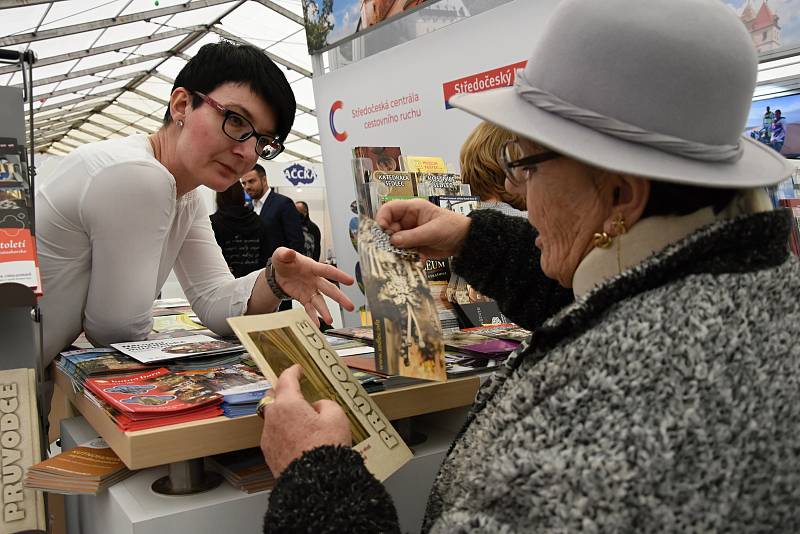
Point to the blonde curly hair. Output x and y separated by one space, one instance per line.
480 165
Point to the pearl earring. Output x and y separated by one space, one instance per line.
180 123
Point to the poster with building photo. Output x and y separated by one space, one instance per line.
772 24
330 22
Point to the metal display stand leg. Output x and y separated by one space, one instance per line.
187 478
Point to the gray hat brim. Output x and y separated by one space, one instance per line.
758 166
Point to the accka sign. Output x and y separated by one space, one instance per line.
298 174
19 436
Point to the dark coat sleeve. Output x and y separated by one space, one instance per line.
317 241
329 490
215 227
500 260
292 223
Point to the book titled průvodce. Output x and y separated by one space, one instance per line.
277 341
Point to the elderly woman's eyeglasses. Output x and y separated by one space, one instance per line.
519 169
240 129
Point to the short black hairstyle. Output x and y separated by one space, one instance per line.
678 199
225 62
233 196
260 170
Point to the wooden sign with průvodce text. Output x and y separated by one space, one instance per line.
23 509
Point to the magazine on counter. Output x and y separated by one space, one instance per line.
169 349
157 391
276 341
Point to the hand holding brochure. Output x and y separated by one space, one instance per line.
277 341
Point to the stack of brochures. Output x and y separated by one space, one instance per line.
140 395
86 469
241 386
153 398
245 470
81 364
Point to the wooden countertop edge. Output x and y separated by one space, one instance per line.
157 446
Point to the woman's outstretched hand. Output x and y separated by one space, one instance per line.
306 280
434 231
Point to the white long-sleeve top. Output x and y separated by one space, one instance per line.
109 229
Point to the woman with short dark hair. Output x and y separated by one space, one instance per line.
117 216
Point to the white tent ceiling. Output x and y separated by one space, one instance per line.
106 67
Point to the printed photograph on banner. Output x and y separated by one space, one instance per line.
329 22
776 123
773 24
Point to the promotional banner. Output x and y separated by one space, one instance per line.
330 22
773 25
398 98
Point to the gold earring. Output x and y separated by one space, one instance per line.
602 240
618 224
618 227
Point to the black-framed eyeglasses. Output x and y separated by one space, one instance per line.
519 169
240 129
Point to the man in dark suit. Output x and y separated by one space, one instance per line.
284 224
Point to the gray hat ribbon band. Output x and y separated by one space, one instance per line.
622 130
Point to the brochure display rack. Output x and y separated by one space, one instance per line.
21 374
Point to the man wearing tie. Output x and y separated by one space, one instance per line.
283 222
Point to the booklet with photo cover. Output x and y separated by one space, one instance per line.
381 158
405 321
157 391
171 348
18 260
395 184
88 468
431 184
276 341
424 164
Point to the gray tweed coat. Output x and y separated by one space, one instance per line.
665 400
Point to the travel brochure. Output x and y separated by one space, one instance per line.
181 347
408 334
18 260
89 469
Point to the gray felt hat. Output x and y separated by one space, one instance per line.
653 88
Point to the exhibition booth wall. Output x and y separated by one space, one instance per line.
398 98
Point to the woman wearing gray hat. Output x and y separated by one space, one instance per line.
665 397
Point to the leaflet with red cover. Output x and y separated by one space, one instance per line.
18 262
131 421
158 392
